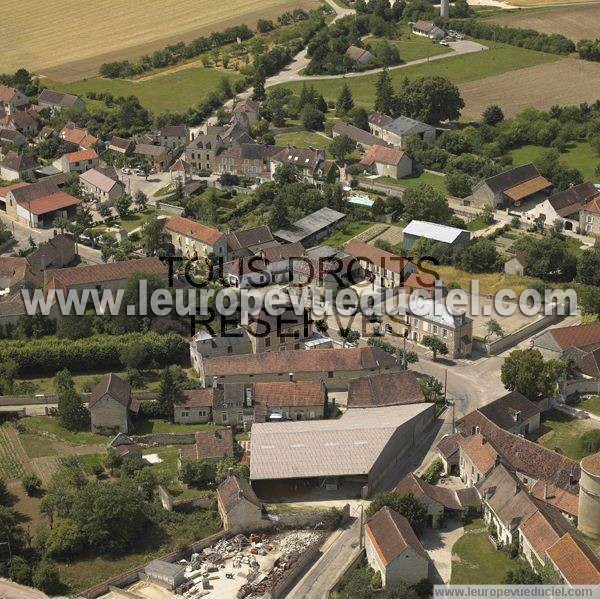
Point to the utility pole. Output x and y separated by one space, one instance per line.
360 533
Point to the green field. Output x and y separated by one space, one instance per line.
436 181
347 231
413 47
48 424
173 91
302 139
590 404
579 155
500 58
565 432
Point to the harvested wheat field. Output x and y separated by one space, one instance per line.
568 81
71 40
542 3
574 22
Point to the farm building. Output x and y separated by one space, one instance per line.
387 162
363 139
312 228
553 342
589 217
360 447
516 265
428 29
420 229
238 505
100 186
57 101
396 131
515 187
111 405
359 55
166 574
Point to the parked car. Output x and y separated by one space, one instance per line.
444 43
126 171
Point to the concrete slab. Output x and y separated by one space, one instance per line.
438 543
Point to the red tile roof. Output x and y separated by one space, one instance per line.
480 452
50 203
370 253
593 205
209 445
193 229
234 488
110 384
387 389
581 335
382 154
289 393
391 533
81 155
559 498
442 495
4 190
575 561
197 398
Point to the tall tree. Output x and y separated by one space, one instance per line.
169 392
385 96
345 101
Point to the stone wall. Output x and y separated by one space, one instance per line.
165 439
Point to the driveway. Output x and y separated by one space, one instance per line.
438 542
300 61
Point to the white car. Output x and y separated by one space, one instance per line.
126 171
444 43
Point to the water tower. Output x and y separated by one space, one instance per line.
589 496
444 8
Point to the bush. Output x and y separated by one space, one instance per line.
46 577
432 474
590 441
31 483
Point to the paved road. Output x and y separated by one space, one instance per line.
292 72
338 552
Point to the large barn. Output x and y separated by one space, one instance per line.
361 447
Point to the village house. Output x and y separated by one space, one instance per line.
360 56
111 406
530 461
387 162
231 341
249 159
389 389
12 100
428 29
278 332
39 204
310 229
180 171
17 166
122 146
210 445
57 252
11 138
195 406
506 504
439 501
157 157
477 459
381 267
419 229
79 137
589 217
335 366
25 121
563 501
393 549
192 239
77 162
514 413
203 150
364 140
574 561
396 131
522 185
248 242
101 187
15 274
57 101
110 276
247 272
174 136
12 309
564 207
552 343
313 167
448 451
247 111
239 507
516 265
433 318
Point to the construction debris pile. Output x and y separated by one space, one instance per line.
237 557
291 546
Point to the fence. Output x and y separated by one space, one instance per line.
290 576
165 438
40 400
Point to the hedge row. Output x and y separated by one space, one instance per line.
49 354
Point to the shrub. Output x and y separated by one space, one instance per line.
432 474
590 441
31 483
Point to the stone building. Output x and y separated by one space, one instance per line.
239 507
111 406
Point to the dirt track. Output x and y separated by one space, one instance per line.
568 81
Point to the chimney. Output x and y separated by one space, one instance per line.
545 491
572 479
215 379
240 493
229 471
482 440
291 375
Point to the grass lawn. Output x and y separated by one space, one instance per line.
579 155
89 460
48 424
346 232
477 224
412 47
155 425
500 58
36 446
170 91
85 382
590 404
476 561
489 283
564 432
436 181
302 139
136 219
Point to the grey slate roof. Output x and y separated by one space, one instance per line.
512 177
309 225
404 125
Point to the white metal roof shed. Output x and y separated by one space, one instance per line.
435 231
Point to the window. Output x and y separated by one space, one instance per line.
416 323
444 332
268 342
224 417
330 374
185 413
435 329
